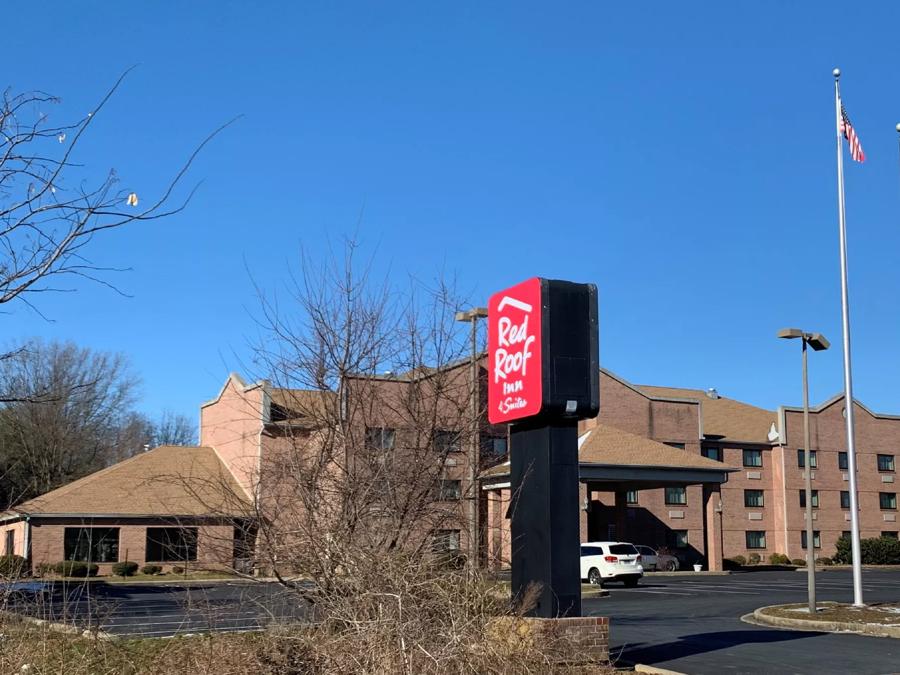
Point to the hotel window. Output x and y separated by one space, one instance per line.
712 453
445 441
493 447
448 490
753 498
379 438
676 495
673 444
892 534
752 457
756 539
885 462
815 499
445 541
678 538
171 544
91 544
845 534
845 499
801 459
817 542
888 500
631 497
842 461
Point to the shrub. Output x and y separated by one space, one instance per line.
126 568
177 569
43 569
12 566
151 569
779 559
75 568
738 560
875 551
799 562
824 561
754 559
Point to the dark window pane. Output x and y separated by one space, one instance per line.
842 461
754 498
714 454
885 462
449 490
680 446
753 458
446 441
815 499
91 544
445 541
888 500
676 495
631 497
801 459
817 542
171 544
845 499
756 539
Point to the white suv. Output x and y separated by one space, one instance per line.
603 561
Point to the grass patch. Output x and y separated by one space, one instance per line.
881 614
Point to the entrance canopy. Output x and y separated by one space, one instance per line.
610 460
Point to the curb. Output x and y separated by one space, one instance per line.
64 627
641 668
873 630
844 568
689 573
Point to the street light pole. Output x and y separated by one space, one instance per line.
819 343
472 316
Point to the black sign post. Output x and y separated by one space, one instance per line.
544 442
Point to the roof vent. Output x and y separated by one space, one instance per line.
712 393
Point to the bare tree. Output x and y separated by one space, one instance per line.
63 417
49 211
362 478
139 432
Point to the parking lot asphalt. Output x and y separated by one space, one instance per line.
166 610
692 624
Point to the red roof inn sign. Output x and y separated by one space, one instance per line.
542 351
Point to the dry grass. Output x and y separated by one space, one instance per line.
883 614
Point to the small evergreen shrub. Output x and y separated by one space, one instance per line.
151 569
43 569
178 569
738 560
824 561
875 551
75 568
126 568
779 559
754 559
799 562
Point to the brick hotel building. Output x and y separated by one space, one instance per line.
701 473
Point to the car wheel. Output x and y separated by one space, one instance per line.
631 583
594 577
671 566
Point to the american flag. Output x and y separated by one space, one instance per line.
856 151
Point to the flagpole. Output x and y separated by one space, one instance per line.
848 378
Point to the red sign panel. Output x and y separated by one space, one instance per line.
514 353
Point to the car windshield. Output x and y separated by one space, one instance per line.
623 549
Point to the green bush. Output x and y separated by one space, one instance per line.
738 560
799 562
875 551
178 569
126 568
151 569
12 566
824 561
754 559
75 568
779 559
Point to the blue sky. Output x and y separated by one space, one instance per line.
681 157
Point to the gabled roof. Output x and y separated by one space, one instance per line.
166 481
607 446
723 417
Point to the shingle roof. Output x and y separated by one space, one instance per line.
302 403
166 481
606 445
732 420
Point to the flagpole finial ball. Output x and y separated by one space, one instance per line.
836 72
898 127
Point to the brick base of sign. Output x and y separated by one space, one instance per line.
570 641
